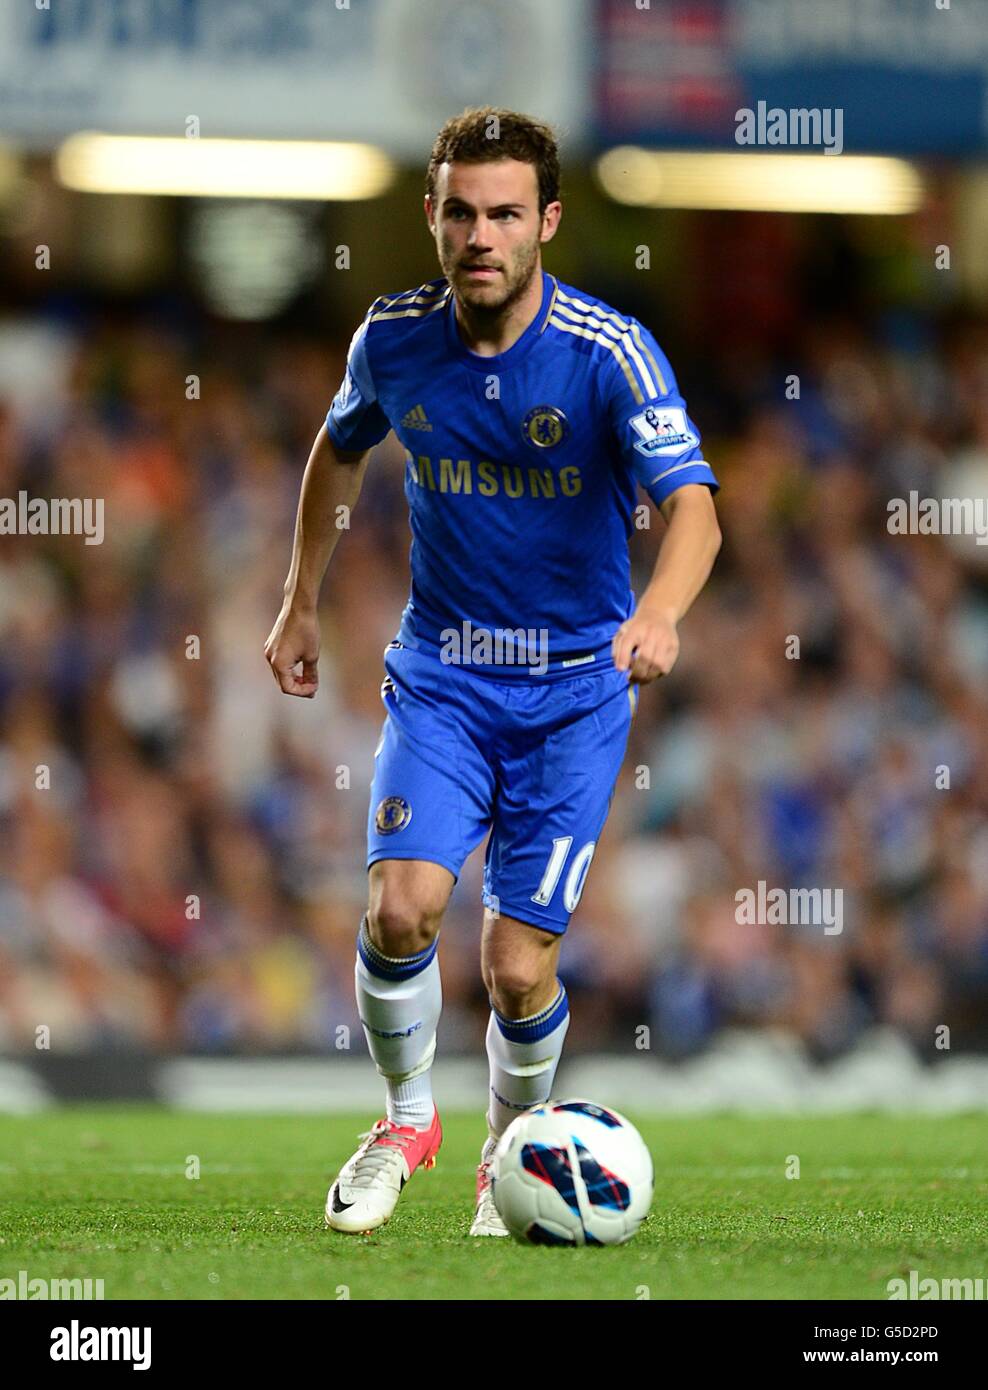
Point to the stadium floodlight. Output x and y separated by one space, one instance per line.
760 182
91 162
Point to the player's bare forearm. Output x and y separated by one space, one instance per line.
687 553
332 480
647 644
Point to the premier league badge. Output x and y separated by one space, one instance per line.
663 431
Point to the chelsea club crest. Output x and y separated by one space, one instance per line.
545 426
393 814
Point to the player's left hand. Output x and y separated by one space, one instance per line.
646 645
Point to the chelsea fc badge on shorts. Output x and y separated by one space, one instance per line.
393 814
545 426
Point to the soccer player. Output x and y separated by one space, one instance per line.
529 412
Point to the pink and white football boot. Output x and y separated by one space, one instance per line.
369 1185
487 1221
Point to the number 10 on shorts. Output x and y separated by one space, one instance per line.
575 879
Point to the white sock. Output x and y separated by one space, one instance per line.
410 1102
523 1054
399 1000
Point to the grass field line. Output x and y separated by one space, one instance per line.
697 1170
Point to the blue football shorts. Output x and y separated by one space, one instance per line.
534 760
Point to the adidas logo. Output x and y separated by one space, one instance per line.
416 419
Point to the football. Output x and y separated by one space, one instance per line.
571 1172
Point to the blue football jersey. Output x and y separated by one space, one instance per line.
521 468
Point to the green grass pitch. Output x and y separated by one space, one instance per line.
102 1191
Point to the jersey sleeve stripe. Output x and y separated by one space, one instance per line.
421 293
589 320
414 304
650 385
623 331
648 353
617 328
677 467
552 303
612 347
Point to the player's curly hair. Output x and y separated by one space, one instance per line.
488 133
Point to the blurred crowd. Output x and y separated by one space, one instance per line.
182 846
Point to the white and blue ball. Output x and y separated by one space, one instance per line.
571 1172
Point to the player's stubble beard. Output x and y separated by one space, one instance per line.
516 277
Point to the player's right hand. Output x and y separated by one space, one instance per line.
294 639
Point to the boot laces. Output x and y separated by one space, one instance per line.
376 1158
